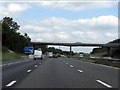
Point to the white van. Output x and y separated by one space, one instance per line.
50 54
38 54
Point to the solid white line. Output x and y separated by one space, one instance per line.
3 65
14 63
71 65
80 71
104 84
10 63
35 65
28 71
11 83
19 61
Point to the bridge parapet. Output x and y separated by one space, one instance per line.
78 44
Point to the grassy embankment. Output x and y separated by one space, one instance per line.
103 62
8 55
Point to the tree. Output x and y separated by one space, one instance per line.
12 39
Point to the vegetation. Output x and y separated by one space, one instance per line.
10 56
13 42
43 47
11 38
59 51
115 52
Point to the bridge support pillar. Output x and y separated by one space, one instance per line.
109 51
70 51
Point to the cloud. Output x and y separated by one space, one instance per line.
100 29
78 6
12 9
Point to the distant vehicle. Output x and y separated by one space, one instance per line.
81 55
31 56
92 57
63 56
38 54
50 54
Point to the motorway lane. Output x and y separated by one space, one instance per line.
59 73
62 73
104 73
17 70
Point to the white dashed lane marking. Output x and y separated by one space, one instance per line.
103 83
80 71
71 65
66 63
28 71
11 83
35 65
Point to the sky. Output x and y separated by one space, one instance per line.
82 21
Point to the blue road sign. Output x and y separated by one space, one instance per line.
28 50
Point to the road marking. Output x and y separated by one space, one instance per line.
28 71
11 83
71 65
104 84
10 63
80 71
66 63
14 63
35 65
39 63
19 61
3 65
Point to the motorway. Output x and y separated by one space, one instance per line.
57 73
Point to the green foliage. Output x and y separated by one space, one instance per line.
4 49
43 48
55 51
67 53
115 52
12 39
6 56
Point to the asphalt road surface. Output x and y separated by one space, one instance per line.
57 73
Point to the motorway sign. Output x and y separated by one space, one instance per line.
28 50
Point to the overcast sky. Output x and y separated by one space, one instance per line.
65 21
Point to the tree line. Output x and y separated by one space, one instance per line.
15 41
11 37
115 52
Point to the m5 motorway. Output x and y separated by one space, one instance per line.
57 73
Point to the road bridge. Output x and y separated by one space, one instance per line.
109 46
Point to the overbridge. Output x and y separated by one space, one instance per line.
109 46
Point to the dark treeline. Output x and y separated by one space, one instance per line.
54 50
11 38
115 52
59 51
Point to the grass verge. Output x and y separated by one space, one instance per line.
103 62
7 56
